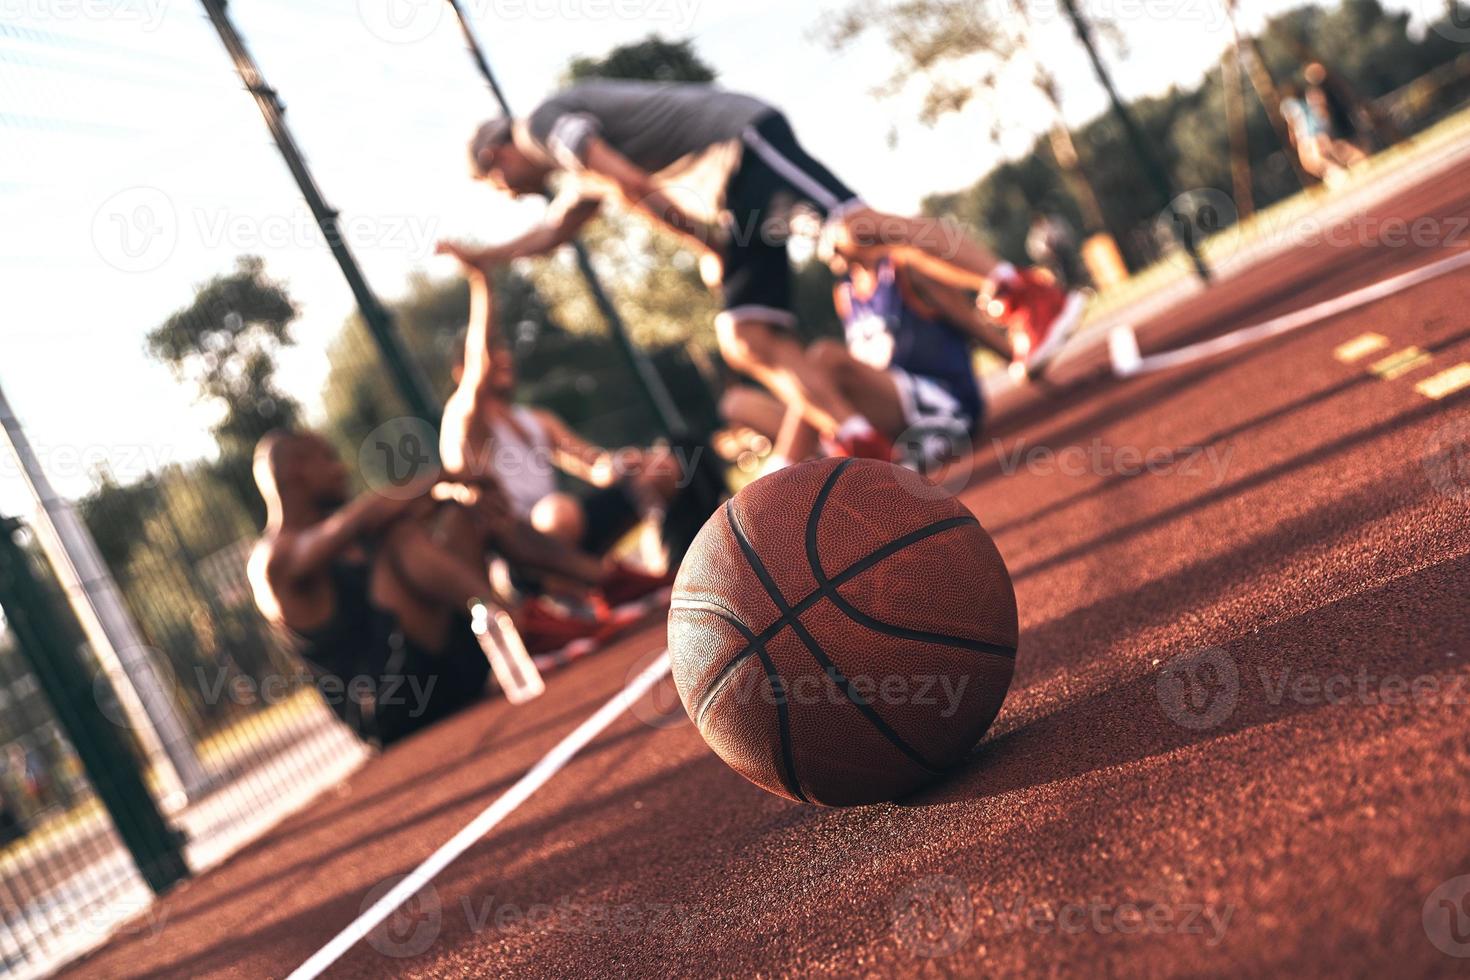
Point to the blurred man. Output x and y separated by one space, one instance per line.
485 436
376 592
906 364
726 173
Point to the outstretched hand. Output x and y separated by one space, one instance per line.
473 261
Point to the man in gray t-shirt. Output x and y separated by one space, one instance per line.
726 173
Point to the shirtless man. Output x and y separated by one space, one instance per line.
726 173
374 592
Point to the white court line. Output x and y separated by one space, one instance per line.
1123 342
534 779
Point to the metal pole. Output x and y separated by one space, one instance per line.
1154 170
653 387
103 614
156 847
406 375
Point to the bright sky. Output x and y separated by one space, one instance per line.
133 166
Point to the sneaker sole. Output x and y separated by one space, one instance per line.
1066 323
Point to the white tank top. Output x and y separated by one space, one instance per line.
524 460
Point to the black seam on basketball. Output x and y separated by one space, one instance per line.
753 644
704 605
778 693
817 595
877 625
783 724
832 670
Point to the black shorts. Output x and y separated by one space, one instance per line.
776 176
419 687
610 513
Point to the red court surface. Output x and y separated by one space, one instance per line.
1289 805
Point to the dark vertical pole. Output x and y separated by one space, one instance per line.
406 376
42 641
1155 171
653 387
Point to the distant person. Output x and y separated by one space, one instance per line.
522 449
906 364
1321 154
1340 107
725 172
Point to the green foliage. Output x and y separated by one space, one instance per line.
225 342
651 59
928 36
1359 41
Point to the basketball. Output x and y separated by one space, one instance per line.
842 632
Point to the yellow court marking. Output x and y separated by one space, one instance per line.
1445 382
1359 347
1399 363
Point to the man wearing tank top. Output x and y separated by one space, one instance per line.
485 436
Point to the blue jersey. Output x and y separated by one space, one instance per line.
884 331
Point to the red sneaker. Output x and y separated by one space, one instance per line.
1039 314
870 445
543 627
625 584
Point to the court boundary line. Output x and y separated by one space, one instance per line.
506 804
1127 362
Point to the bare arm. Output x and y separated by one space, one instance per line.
309 552
941 301
640 193
479 338
561 225
576 455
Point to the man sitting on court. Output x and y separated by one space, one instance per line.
906 365
725 172
376 593
486 435
367 595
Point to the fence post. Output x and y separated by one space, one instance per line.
100 608
111 767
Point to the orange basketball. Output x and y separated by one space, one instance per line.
842 632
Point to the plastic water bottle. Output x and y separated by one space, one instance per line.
512 665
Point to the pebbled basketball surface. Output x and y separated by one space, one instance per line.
842 632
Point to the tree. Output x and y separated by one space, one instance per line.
652 59
962 50
1370 48
225 344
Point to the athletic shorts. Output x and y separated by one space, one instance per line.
419 687
941 404
775 177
